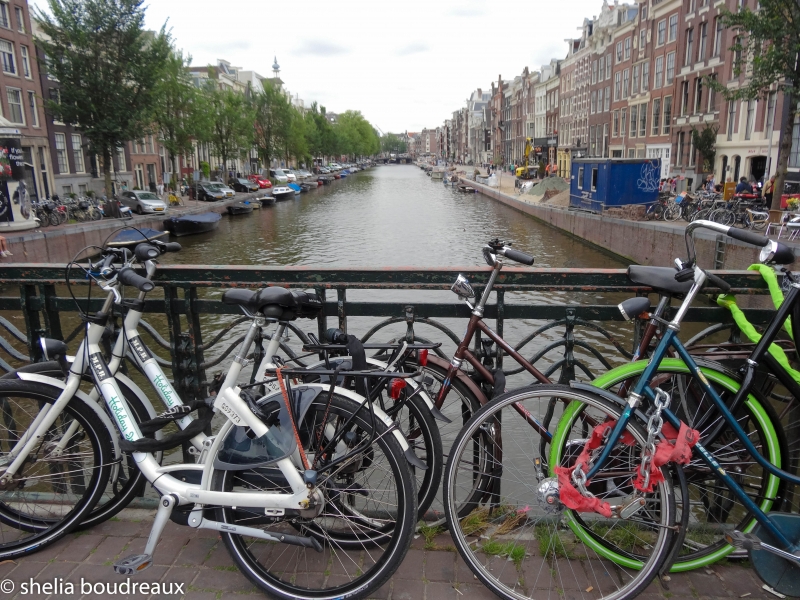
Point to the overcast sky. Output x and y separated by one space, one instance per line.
405 64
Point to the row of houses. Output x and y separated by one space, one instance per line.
632 85
56 156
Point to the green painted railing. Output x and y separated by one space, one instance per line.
38 292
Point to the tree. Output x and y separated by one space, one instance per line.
231 117
179 109
393 144
272 122
108 68
705 141
768 41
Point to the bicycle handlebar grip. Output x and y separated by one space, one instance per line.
336 336
748 237
130 277
172 247
725 287
517 256
145 252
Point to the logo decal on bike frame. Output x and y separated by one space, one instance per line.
142 353
99 367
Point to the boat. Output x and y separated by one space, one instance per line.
128 238
191 224
296 187
282 192
240 208
266 200
467 189
437 174
306 187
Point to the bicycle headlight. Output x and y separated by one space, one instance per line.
776 253
462 288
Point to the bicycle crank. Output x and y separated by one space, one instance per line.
779 569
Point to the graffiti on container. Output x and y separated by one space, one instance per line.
648 180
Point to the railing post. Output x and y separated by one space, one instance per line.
568 370
196 375
341 302
322 319
501 312
176 341
31 304
52 317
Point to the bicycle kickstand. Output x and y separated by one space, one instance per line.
137 563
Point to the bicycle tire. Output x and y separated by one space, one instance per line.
95 214
42 218
53 218
696 555
672 212
71 498
124 484
338 570
513 542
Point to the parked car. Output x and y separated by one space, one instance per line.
290 174
262 182
229 192
205 190
143 202
278 175
240 184
304 174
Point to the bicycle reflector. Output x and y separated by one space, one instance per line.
396 388
422 358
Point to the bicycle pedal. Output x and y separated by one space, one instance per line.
746 541
133 564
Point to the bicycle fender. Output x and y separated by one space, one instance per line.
101 414
461 376
610 396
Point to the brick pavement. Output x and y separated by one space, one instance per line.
200 561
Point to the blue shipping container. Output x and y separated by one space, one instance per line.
600 183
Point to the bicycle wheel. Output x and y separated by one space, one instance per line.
519 540
723 216
714 510
365 526
63 216
459 405
44 221
56 488
53 218
95 214
672 212
80 216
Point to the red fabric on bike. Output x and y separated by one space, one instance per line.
571 497
675 447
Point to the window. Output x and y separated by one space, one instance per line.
670 67
684 98
717 35
605 140
769 124
661 36
627 48
608 66
623 119
121 159
20 17
594 71
151 150
5 21
643 9
602 70
731 118
66 190
673 28
689 45
635 83
7 53
61 153
643 120
580 178
667 115
712 95
634 120
642 39
751 119
736 64
77 152
594 102
690 162
794 154
701 42
681 148
82 189
26 63
615 129
617 85
14 97
645 76
34 109
656 115
698 95
607 100
619 52
691 6
659 74
592 141
626 76
594 179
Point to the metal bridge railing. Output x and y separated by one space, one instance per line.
186 297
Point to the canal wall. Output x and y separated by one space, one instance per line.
654 243
58 245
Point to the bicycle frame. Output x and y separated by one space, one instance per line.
642 389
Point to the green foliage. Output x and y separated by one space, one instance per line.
108 68
706 143
272 117
230 117
355 136
205 168
393 144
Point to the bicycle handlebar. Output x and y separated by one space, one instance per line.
128 276
517 256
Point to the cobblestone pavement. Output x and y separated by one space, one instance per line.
199 560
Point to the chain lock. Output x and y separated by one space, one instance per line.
654 425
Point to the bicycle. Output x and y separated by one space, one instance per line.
174 200
304 481
617 500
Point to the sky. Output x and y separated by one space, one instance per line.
405 64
